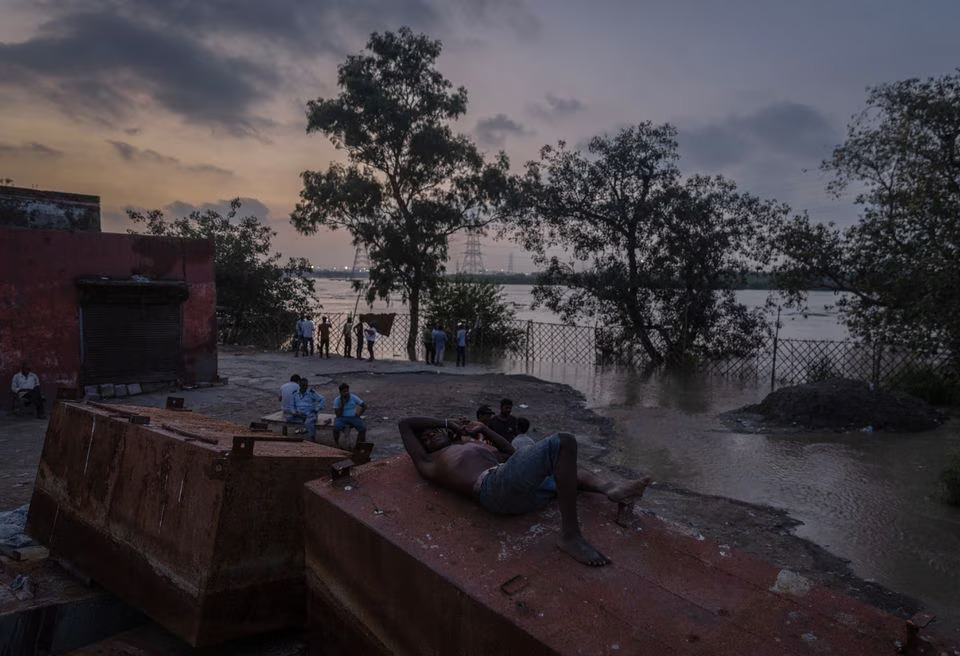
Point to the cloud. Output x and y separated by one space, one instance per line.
294 26
511 13
786 130
217 64
106 67
248 207
493 131
556 108
130 153
30 149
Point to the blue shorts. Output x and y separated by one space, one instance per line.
524 483
343 422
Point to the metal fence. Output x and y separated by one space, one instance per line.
781 361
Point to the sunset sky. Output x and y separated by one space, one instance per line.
176 104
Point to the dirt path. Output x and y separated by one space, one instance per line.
395 389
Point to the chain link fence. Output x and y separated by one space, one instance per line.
781 361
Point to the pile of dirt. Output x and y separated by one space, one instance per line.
841 404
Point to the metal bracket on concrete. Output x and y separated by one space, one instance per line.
260 426
340 470
174 403
217 470
140 420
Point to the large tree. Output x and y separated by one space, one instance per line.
900 264
251 281
410 182
652 255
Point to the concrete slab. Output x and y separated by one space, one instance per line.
152 640
396 565
206 540
44 609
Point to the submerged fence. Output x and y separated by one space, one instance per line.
779 361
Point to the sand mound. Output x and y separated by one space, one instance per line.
842 404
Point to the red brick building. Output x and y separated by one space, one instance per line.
86 308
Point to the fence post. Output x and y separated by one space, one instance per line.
877 355
776 341
528 340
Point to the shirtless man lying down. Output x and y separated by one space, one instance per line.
470 458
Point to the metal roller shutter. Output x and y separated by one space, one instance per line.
131 342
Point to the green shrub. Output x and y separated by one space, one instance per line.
950 479
925 382
820 370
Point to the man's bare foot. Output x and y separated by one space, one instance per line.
628 492
582 551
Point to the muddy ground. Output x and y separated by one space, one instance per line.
396 389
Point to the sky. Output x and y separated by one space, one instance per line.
185 104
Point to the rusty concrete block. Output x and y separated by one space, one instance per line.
120 390
107 391
207 544
396 565
134 388
91 391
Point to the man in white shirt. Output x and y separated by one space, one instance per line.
26 386
286 394
305 331
370 333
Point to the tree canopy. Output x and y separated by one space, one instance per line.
650 254
410 182
251 281
900 264
480 306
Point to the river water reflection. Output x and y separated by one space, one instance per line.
867 497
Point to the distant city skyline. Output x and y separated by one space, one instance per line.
184 105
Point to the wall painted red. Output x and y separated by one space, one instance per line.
39 312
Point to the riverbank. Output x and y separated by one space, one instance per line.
393 389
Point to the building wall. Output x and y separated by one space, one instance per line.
32 208
39 310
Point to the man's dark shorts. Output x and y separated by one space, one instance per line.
524 483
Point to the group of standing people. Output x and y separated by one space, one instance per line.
365 334
436 345
304 334
302 404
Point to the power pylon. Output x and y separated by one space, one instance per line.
510 262
472 258
361 262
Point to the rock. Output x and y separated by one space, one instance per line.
843 404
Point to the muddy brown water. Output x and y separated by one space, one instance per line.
870 498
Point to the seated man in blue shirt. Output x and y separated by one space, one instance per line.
348 408
306 404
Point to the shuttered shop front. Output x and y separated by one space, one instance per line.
131 338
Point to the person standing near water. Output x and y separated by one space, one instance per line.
358 330
348 338
371 335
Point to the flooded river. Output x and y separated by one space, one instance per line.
866 497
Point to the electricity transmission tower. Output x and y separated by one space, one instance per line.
361 262
472 259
